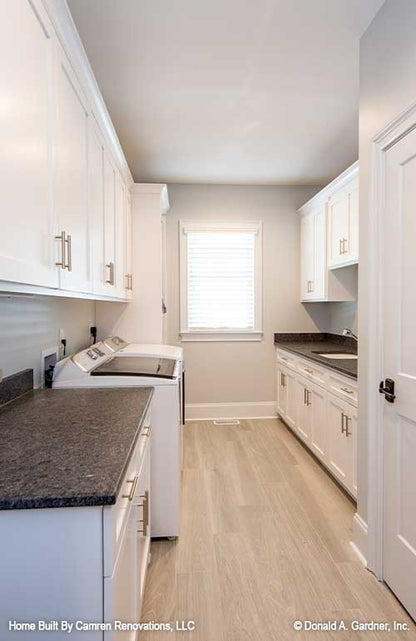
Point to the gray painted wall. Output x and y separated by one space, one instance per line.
387 87
30 324
243 372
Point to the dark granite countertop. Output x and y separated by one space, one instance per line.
305 345
69 447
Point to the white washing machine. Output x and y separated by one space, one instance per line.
122 348
98 366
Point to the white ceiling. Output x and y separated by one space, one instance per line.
229 91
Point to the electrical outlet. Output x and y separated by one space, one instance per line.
49 358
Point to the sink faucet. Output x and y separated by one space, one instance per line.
348 332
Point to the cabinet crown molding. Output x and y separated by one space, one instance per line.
155 190
323 195
66 31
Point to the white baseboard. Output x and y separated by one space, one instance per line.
359 538
211 411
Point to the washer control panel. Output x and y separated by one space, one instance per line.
91 357
115 343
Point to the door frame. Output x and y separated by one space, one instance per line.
399 127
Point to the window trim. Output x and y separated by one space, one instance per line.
215 335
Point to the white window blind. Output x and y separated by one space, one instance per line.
221 275
220 280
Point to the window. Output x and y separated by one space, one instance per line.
220 280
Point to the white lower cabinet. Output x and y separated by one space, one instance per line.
323 415
80 563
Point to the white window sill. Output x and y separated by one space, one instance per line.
218 336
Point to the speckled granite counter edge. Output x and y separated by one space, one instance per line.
80 500
284 340
13 386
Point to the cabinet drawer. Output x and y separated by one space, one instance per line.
343 388
312 372
288 360
116 516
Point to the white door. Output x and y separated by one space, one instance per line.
307 238
399 294
26 220
71 177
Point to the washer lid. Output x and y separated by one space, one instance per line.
137 366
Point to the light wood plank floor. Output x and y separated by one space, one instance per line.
264 540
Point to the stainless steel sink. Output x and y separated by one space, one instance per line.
338 355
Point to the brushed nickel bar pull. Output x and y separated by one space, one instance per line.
131 282
68 264
347 420
127 278
304 396
145 519
342 423
62 239
149 430
347 391
110 266
308 400
310 371
130 495
340 246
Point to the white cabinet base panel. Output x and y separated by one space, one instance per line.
320 406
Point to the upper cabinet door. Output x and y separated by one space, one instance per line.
129 246
26 219
343 226
96 206
109 226
120 214
307 241
71 178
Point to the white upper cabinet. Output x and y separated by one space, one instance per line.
26 215
343 210
329 239
64 180
71 179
